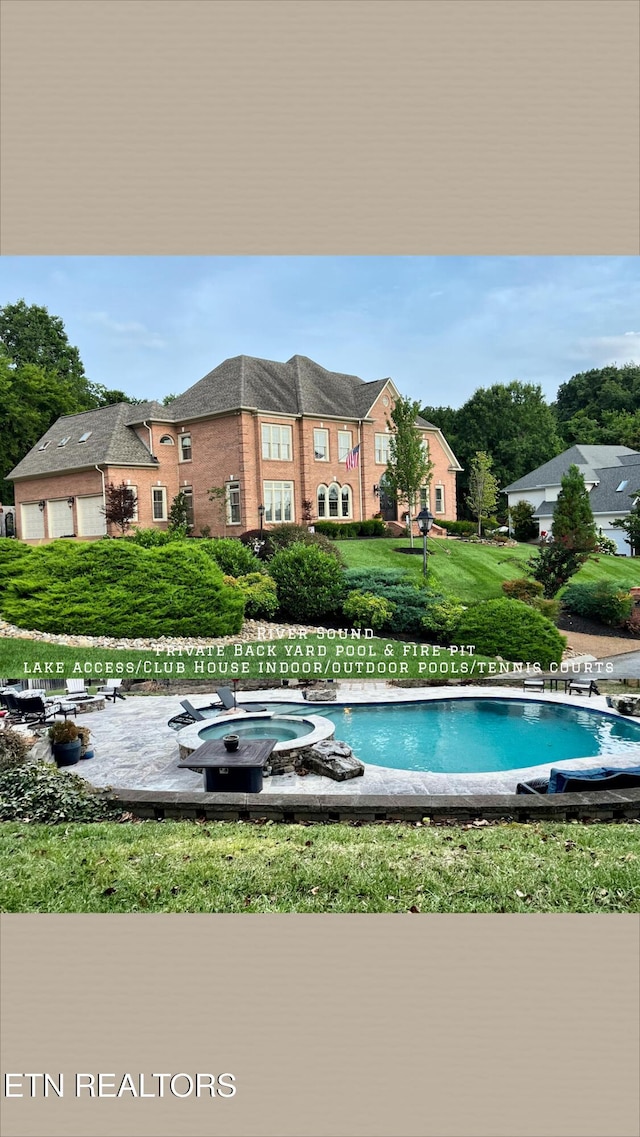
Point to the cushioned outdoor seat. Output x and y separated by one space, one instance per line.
533 684
581 781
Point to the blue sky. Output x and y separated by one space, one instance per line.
439 326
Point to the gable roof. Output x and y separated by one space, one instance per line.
110 440
588 459
297 387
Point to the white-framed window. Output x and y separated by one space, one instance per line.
134 491
278 501
159 503
346 502
276 442
233 503
425 447
84 437
345 444
334 501
321 445
167 440
185 447
321 501
424 497
382 449
439 499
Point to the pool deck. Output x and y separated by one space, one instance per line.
136 749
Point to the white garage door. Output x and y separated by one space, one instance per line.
91 520
32 521
59 518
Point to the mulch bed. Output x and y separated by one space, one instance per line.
568 622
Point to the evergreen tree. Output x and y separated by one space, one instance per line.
409 468
573 524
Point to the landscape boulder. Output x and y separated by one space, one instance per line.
626 704
332 759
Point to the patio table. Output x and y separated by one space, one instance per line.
236 771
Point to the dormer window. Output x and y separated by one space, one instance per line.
83 437
63 441
45 444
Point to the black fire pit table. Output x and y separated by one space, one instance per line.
237 771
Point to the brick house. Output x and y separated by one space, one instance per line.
272 434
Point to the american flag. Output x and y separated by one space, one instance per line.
353 457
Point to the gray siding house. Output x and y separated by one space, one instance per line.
611 475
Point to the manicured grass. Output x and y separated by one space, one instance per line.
220 867
468 571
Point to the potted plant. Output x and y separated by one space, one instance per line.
66 743
86 749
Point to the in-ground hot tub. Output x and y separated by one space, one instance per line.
293 733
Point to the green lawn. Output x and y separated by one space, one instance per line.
472 572
220 867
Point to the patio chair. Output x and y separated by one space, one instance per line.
76 687
582 687
533 683
110 690
226 697
581 781
191 710
34 709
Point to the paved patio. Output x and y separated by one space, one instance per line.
134 747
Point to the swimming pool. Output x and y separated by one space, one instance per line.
471 735
283 730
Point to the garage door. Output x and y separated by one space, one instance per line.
59 518
91 520
32 521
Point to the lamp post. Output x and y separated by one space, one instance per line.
261 516
425 521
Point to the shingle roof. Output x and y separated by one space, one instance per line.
605 497
110 440
588 459
298 386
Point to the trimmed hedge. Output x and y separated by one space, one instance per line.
119 588
459 528
512 630
233 557
347 530
309 582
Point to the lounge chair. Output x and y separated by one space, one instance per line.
581 781
533 684
582 686
110 690
191 710
76 687
226 697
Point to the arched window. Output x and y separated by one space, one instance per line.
322 501
334 497
167 440
346 509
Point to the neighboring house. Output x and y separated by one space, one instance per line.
611 475
273 434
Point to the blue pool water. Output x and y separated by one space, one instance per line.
250 727
465 736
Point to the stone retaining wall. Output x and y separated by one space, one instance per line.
604 805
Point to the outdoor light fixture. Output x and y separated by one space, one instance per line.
425 521
41 505
70 501
261 515
376 490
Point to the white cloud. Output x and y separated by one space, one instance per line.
131 330
622 348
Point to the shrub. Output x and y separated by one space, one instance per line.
118 588
365 610
14 750
442 618
39 792
524 527
260 595
282 536
512 630
258 542
602 600
458 528
553 565
309 582
522 589
606 545
154 538
548 608
342 530
412 602
234 558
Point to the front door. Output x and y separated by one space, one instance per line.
388 506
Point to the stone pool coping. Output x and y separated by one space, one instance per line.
189 737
